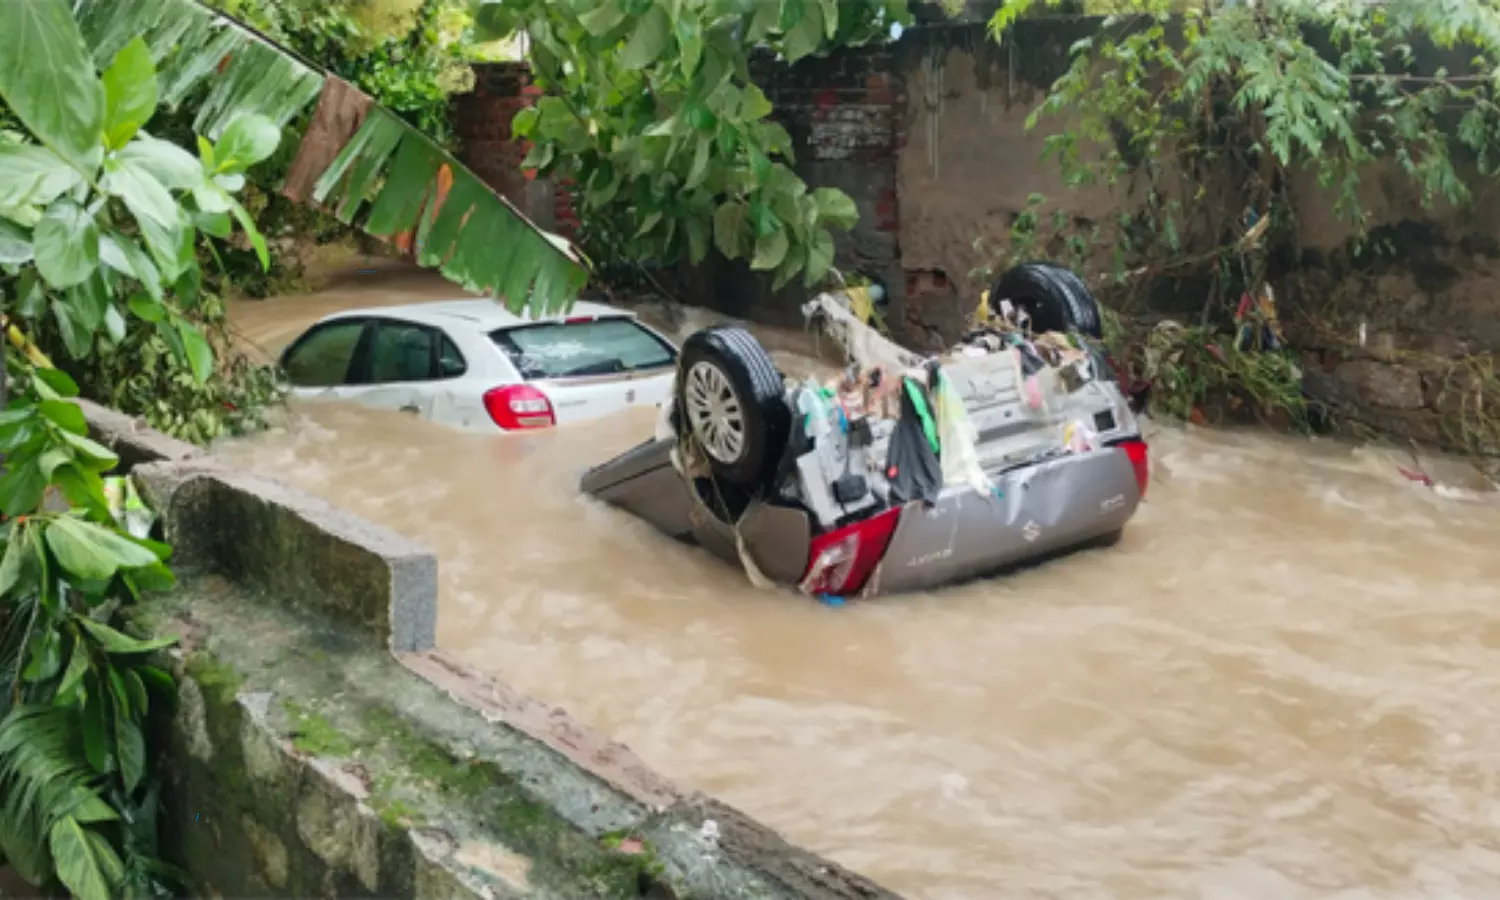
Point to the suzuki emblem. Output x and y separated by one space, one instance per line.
630 396
1031 532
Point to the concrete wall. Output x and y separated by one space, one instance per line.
323 747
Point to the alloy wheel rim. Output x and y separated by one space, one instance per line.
715 413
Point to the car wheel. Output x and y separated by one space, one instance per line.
732 401
1053 296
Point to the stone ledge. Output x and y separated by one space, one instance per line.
132 439
310 763
297 548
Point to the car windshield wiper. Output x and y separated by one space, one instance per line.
603 367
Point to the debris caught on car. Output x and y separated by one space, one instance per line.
902 470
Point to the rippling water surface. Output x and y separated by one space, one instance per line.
1283 683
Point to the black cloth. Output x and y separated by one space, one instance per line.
912 466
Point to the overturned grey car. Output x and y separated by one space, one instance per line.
907 473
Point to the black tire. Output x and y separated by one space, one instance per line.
748 372
1053 296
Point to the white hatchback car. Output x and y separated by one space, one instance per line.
474 364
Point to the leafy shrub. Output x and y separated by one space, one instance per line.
98 225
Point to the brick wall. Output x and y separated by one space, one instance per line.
842 113
482 120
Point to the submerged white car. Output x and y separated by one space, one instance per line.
474 364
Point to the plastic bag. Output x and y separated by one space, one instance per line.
957 436
127 507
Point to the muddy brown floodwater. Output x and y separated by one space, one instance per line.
1283 683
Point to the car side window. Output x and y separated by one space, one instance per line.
402 351
451 362
322 357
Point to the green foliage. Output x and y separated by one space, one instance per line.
1203 122
406 55
651 113
99 221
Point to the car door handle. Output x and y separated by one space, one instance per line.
414 410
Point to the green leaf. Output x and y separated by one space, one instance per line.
15 245
249 139
46 656
143 307
767 13
649 39
139 698
76 338
753 103
115 642
51 459
216 224
92 552
819 257
199 354
66 242
602 19
99 456
91 810
121 253
805 35
129 93
248 224
171 247
835 208
699 168
78 666
131 746
173 167
114 323
33 175
86 303
697 232
59 381
21 489
47 78
830 18
80 871
770 250
65 414
731 229
144 196
10 564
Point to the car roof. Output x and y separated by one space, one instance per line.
481 314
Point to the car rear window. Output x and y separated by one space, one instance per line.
594 347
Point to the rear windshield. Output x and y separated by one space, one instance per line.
598 347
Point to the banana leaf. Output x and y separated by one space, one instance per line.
387 178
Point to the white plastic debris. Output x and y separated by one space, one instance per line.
127 508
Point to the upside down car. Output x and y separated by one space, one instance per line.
907 472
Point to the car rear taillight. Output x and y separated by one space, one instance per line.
519 406
1136 450
842 560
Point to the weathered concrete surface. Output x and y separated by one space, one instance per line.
309 762
295 546
306 759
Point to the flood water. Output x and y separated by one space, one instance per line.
1282 684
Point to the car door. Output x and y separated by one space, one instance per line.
321 363
398 368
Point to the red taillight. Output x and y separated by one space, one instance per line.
1136 450
519 406
842 560
578 320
